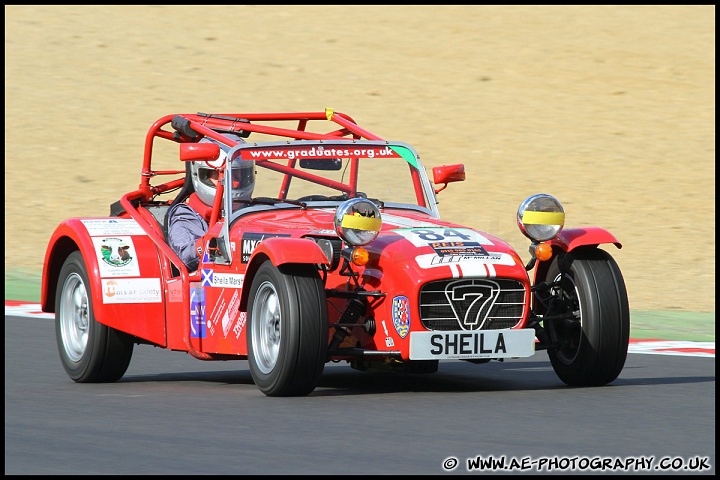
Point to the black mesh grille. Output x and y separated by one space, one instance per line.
472 304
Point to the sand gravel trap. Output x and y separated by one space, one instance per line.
609 108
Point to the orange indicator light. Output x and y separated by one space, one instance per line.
543 251
360 256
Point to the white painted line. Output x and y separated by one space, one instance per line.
30 310
673 347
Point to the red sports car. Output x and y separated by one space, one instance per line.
339 254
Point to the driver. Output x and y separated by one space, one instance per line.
186 226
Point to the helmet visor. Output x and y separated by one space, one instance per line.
207 176
242 180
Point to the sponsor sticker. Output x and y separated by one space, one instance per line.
210 278
231 313
174 292
116 256
113 226
466 265
437 236
250 242
467 344
197 313
389 342
135 290
469 249
240 325
462 249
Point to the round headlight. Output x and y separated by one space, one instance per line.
540 217
358 221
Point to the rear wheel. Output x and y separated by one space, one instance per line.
593 343
288 332
90 351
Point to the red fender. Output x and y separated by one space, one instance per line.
282 250
70 235
571 238
145 319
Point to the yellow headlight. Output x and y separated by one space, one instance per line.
540 217
358 221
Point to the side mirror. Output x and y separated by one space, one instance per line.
189 152
445 174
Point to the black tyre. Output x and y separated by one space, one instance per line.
288 331
90 351
593 345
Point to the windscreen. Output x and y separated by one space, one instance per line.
313 170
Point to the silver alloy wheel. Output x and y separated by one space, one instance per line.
74 317
266 326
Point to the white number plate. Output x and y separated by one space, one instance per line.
464 344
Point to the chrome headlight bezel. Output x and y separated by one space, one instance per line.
358 221
541 217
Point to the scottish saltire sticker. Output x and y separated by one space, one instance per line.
207 277
210 278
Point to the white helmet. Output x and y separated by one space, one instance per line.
243 174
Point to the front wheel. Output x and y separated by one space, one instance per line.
591 345
90 351
288 332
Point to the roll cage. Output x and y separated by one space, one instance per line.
279 132
187 129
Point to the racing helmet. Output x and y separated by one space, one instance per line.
243 174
